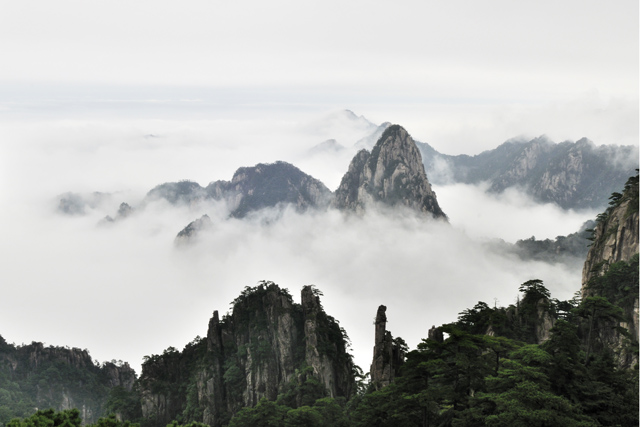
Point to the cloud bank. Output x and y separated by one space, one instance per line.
125 290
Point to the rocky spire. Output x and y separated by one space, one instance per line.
392 174
250 354
387 354
322 366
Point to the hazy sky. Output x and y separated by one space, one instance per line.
121 96
461 75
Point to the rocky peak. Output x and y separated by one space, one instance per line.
182 192
188 233
270 185
119 375
388 355
392 174
124 210
250 354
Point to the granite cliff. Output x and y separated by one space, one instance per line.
251 189
573 175
388 353
266 348
615 237
609 272
391 174
38 376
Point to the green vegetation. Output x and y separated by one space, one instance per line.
573 247
538 362
488 370
34 376
66 418
471 378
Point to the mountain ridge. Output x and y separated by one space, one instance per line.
573 175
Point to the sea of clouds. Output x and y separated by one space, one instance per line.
125 290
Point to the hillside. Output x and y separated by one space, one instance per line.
573 175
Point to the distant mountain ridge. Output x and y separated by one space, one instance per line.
250 189
573 175
391 174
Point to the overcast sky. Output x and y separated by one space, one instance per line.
121 96
461 75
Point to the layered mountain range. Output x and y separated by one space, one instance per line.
272 351
392 174
573 175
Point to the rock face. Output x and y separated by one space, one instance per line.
392 174
183 192
251 189
267 185
615 239
387 354
60 378
544 321
191 231
262 349
571 175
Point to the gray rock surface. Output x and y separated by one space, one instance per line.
392 174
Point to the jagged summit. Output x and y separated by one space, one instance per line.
573 175
267 185
265 348
252 188
392 173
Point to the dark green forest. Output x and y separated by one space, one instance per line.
488 369
538 362
504 378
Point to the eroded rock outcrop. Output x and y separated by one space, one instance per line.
392 174
615 239
61 378
262 349
265 185
615 242
388 354
573 175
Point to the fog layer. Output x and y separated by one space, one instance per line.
124 290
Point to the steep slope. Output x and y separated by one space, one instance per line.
36 376
266 346
251 189
392 174
192 230
611 272
572 175
615 237
388 353
267 185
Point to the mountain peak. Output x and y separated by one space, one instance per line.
392 173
